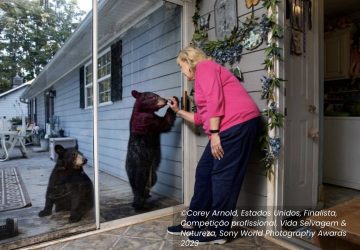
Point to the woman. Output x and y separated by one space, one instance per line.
230 118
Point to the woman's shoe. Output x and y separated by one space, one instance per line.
179 229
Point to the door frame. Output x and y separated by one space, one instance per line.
321 68
189 157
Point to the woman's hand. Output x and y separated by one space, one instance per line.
173 104
216 149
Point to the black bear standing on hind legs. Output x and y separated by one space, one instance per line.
143 155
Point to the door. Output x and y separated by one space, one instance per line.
302 120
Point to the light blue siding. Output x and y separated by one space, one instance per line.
149 53
40 110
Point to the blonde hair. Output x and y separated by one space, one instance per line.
192 55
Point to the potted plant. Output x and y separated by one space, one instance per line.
16 120
44 140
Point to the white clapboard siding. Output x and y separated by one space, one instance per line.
149 52
253 193
10 105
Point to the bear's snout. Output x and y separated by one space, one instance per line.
79 161
162 102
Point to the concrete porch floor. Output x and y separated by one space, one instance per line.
54 232
151 235
115 203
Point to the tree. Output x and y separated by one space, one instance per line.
31 31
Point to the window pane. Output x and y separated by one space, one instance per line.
104 91
88 74
104 67
104 71
104 63
89 96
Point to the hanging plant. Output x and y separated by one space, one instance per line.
270 83
250 34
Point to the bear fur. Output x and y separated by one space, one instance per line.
143 154
69 187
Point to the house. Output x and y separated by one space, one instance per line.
138 44
147 35
10 104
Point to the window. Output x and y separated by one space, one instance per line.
104 79
109 77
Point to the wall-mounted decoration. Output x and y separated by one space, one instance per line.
51 93
297 14
228 51
300 13
253 41
225 17
296 46
204 22
251 3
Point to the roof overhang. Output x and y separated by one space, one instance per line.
15 89
115 18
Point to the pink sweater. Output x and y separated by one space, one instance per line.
218 93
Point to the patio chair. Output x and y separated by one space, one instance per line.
11 139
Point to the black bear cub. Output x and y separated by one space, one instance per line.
143 155
69 186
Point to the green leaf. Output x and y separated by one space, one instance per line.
268 63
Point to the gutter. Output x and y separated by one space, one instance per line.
67 53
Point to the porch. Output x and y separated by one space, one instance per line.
115 202
151 235
54 231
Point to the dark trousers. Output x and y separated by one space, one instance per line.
218 182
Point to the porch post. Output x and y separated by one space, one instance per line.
275 185
95 110
189 140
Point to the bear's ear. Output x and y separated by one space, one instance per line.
135 94
59 150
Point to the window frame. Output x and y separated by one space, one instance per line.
99 80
